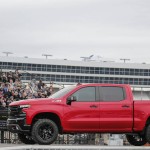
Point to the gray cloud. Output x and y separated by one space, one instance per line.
71 28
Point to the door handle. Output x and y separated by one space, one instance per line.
93 106
125 106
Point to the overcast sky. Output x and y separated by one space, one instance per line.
73 28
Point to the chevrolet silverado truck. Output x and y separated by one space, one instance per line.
87 108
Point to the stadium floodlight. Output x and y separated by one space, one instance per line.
125 59
46 55
7 53
87 58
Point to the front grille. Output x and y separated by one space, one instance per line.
15 111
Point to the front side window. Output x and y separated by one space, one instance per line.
86 94
110 94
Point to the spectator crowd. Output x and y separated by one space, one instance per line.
13 89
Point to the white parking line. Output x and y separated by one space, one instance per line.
72 147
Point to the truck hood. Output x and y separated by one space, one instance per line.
40 101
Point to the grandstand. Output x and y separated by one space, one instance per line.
66 72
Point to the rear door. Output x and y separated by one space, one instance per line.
115 109
83 114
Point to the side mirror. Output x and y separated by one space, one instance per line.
71 99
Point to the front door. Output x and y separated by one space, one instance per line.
82 114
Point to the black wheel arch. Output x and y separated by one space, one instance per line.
147 121
48 115
146 125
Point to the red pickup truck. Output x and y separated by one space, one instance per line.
95 108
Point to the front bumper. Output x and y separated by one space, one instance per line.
17 125
16 121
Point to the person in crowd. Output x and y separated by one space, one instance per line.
5 88
17 74
23 95
4 78
11 84
48 91
40 84
35 95
9 75
51 89
3 102
9 93
1 92
17 96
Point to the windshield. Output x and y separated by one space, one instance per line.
62 92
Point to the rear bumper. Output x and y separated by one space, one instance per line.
18 125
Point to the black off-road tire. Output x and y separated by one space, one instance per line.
147 134
136 140
26 139
44 132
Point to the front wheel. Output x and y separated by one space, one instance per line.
26 139
136 140
44 131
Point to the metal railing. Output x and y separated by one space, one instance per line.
12 138
65 139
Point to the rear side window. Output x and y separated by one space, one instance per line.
112 94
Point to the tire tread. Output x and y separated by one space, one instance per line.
34 131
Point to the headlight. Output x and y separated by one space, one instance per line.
24 106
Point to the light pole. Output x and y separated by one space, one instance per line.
125 59
46 55
7 53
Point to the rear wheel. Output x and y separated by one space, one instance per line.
147 134
136 140
44 131
26 139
